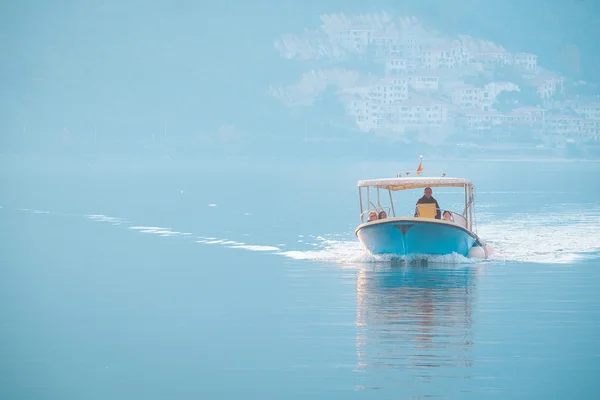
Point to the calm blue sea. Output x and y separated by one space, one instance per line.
172 279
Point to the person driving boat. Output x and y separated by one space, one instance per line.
428 199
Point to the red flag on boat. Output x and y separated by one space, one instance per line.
420 168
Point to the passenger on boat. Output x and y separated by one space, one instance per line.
428 199
382 215
372 216
448 216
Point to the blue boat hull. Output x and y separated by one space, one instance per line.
414 236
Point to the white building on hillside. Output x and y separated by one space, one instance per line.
422 81
495 88
526 60
471 97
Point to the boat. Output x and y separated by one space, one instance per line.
425 233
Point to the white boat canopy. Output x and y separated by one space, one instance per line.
414 183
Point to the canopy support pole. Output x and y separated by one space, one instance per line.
362 217
471 208
465 209
392 203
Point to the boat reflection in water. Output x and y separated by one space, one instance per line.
415 322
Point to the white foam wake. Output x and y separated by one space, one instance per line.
554 237
549 236
106 218
232 244
156 230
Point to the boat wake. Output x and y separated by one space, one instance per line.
555 237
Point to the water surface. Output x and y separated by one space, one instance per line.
167 279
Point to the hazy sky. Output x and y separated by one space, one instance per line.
129 67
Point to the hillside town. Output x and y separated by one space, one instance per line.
432 87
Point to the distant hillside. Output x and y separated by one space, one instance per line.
399 78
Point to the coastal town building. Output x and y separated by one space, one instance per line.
526 60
